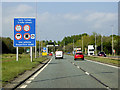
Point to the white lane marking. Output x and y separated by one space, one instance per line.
33 77
103 64
28 82
87 73
41 69
109 88
23 86
78 67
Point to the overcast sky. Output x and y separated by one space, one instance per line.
56 20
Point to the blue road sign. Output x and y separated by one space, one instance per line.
24 32
44 49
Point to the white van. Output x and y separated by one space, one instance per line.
90 50
59 54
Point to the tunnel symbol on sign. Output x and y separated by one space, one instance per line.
26 36
18 36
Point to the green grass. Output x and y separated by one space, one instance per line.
12 68
104 60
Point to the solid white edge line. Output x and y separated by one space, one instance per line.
42 69
29 81
23 86
103 64
31 78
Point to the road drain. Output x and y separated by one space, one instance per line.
107 87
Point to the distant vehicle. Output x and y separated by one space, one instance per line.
90 50
101 54
50 54
68 52
77 50
44 53
59 54
78 55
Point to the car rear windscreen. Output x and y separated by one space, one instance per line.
78 53
101 52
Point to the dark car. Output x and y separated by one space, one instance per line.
79 55
101 54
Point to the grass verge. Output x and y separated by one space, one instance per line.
104 60
12 68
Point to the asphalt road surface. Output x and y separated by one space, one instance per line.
67 73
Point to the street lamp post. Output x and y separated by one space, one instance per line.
73 46
95 46
39 48
82 44
101 44
36 31
112 39
64 46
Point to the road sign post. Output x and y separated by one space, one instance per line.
16 53
39 48
31 54
24 33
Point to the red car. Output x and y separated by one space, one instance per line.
79 55
50 54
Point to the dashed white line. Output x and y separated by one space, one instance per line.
103 64
87 73
78 67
